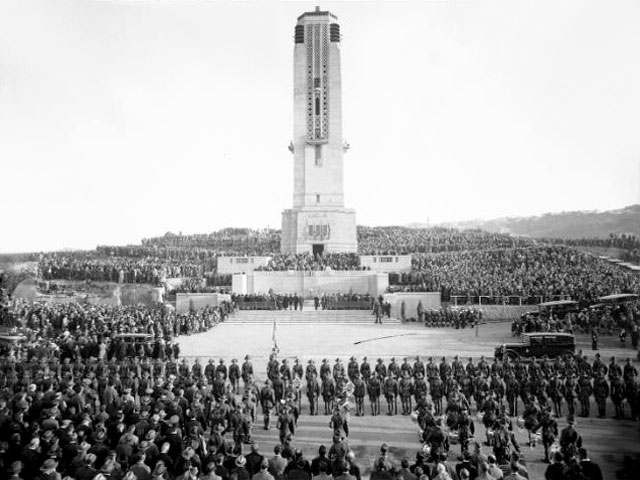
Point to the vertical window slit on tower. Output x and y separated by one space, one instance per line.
317 106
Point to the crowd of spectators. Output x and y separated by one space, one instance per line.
628 246
228 241
95 267
458 263
310 262
621 319
407 241
542 272
96 322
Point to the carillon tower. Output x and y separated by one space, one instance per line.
318 221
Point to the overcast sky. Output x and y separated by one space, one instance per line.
121 120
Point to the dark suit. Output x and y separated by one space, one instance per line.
591 470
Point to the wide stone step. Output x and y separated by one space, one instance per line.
306 316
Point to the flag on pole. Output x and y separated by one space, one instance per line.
273 337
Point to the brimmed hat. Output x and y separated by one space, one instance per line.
241 461
49 463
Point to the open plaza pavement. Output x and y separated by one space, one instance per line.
607 440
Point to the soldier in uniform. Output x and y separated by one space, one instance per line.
406 367
353 369
359 391
418 367
325 369
555 390
600 393
313 393
222 369
273 367
286 425
432 369
584 393
614 369
393 369
420 389
466 430
570 393
285 370
338 370
391 394
405 388
328 390
365 370
549 428
570 440
512 390
297 370
374 390
437 391
234 376
470 368
267 401
247 370
380 369
278 387
444 369
457 368
617 394
311 370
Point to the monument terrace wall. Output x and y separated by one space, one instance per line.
309 284
231 265
197 301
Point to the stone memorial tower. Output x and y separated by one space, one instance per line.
318 221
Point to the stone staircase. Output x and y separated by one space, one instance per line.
306 316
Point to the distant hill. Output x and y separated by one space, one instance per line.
562 225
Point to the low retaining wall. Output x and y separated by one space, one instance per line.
430 301
310 284
197 301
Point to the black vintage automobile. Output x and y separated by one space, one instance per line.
538 344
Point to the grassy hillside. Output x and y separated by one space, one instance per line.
564 224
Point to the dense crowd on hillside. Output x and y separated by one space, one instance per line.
539 271
407 241
229 241
94 267
628 245
310 262
461 263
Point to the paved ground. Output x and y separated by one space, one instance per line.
608 440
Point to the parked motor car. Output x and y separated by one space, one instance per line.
538 344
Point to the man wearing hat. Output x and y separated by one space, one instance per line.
313 392
267 401
338 370
234 376
380 369
600 393
247 370
353 369
48 470
584 393
570 439
405 389
365 370
374 389
310 369
325 369
328 391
